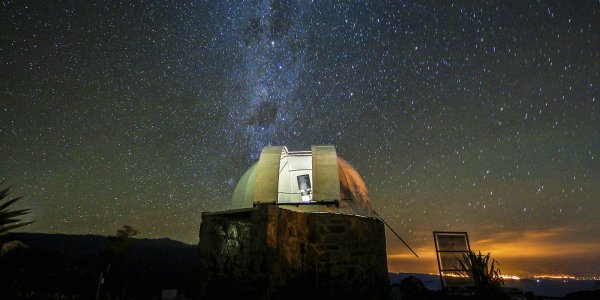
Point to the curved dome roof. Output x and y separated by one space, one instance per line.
272 180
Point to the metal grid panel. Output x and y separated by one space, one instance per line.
449 248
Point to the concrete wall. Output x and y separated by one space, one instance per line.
273 253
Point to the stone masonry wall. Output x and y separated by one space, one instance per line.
273 253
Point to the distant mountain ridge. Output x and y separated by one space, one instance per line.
158 263
52 238
88 246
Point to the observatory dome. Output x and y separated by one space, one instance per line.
308 181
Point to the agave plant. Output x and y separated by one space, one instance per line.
483 273
9 218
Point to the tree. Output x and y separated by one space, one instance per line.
118 245
9 218
115 251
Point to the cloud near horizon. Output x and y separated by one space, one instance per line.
529 252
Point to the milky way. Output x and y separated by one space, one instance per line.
481 117
271 39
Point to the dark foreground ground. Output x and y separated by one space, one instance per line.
69 266
551 288
425 286
57 266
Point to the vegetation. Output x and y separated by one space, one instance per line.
118 245
486 274
9 219
115 252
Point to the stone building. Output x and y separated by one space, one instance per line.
300 225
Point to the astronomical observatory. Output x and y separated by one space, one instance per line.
300 225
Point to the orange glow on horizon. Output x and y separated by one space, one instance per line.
541 253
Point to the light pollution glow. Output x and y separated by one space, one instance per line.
519 253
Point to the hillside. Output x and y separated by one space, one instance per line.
151 265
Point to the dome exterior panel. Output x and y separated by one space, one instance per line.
243 195
352 184
266 185
334 181
325 173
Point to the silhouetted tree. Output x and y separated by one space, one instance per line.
118 245
115 251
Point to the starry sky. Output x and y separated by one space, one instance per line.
481 117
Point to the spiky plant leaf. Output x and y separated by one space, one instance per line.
8 220
4 229
9 202
14 213
478 266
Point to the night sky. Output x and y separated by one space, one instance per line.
481 117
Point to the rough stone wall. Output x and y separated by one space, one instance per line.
273 253
348 255
233 257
